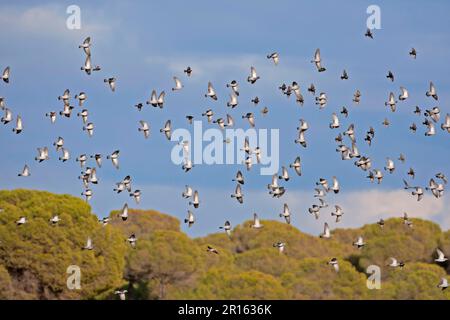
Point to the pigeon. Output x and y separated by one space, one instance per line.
344 75
369 33
253 77
255 100
190 219
440 256
65 155
334 121
396 264
5 75
344 112
111 83
227 228
86 46
381 223
81 97
25 172
84 115
312 89
432 92
326 232
124 213
114 158
212 250
390 166
178 84
390 76
334 263
404 94
239 177
391 102
275 57
54 220
145 128
167 130
413 53
211 92
359 243
121 294
21 221
89 128
7 117
233 102
87 194
431 129
357 97
234 86
188 71
195 200
318 61
136 194
132 240
280 246
89 245
87 67
286 214
446 124
296 165
98 159
338 213
19 126
42 154
52 116
406 220
238 194
256 222
443 284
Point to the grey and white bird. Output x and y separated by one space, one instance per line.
6 74
195 200
233 102
178 84
406 220
52 116
404 94
167 130
227 228
275 57
334 121
124 212
326 232
25 172
324 183
42 154
286 214
390 166
81 159
253 77
81 97
432 92
98 159
284 174
121 294
208 114
394 263
144 128
114 158
212 250
443 284
87 193
239 177
65 155
238 194
89 128
256 222
190 220
87 67
7 117
434 113
321 100
337 213
234 86
65 97
211 92
280 246
86 46
54 220
21 221
359 243
88 245
334 263
440 256
317 60
19 125
84 115
391 102
446 124
59 143
431 129
67 111
357 97
136 194
296 165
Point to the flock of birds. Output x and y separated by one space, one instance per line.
346 146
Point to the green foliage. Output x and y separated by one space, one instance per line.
167 264
37 254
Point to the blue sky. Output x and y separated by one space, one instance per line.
145 44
